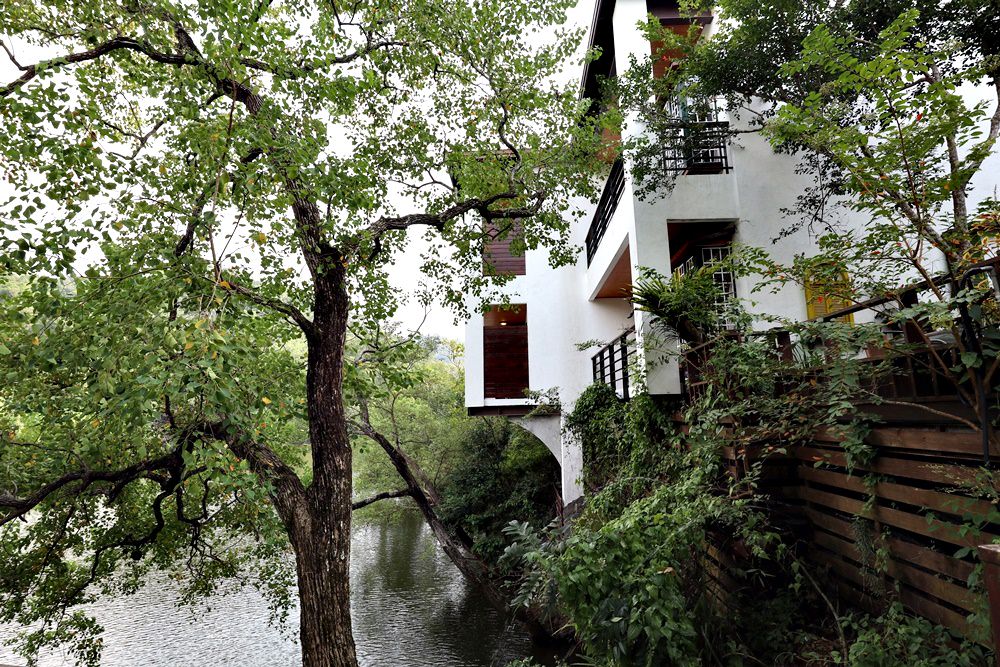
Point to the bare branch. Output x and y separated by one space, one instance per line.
402 493
933 411
10 55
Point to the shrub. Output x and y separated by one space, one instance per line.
504 474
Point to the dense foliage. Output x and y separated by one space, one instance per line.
869 97
504 474
873 100
629 576
684 305
743 66
639 579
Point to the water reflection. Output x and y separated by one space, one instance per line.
410 605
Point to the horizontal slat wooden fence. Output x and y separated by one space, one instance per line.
892 528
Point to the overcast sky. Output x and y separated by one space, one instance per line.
405 272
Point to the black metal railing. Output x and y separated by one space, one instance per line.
605 208
611 364
696 140
697 148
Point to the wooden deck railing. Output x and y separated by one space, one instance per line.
918 360
902 525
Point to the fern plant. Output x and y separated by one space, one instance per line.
683 306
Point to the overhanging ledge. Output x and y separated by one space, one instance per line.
500 410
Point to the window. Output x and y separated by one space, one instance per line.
723 277
826 294
505 351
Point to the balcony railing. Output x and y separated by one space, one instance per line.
611 364
697 148
612 194
696 139
912 367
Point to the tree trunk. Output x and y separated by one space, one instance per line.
459 550
321 534
322 559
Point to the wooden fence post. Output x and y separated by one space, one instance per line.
989 554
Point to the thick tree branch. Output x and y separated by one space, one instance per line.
983 149
277 305
457 545
84 478
438 220
402 493
116 44
268 466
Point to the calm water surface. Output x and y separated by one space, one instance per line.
411 607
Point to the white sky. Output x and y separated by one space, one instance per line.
405 272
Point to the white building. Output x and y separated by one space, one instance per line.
726 192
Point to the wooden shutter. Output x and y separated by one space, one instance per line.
611 141
505 361
826 297
496 251
668 58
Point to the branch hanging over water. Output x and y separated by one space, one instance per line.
385 495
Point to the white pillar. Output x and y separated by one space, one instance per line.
572 467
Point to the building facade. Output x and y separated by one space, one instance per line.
724 192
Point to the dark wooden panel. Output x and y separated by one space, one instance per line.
934 441
918 497
919 554
497 254
939 473
931 559
935 586
920 604
505 361
669 57
936 613
921 525
935 500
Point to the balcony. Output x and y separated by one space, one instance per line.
606 208
698 149
611 364
696 140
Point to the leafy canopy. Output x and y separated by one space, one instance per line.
183 177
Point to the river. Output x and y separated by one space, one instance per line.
411 608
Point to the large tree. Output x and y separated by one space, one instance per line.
197 185
743 68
